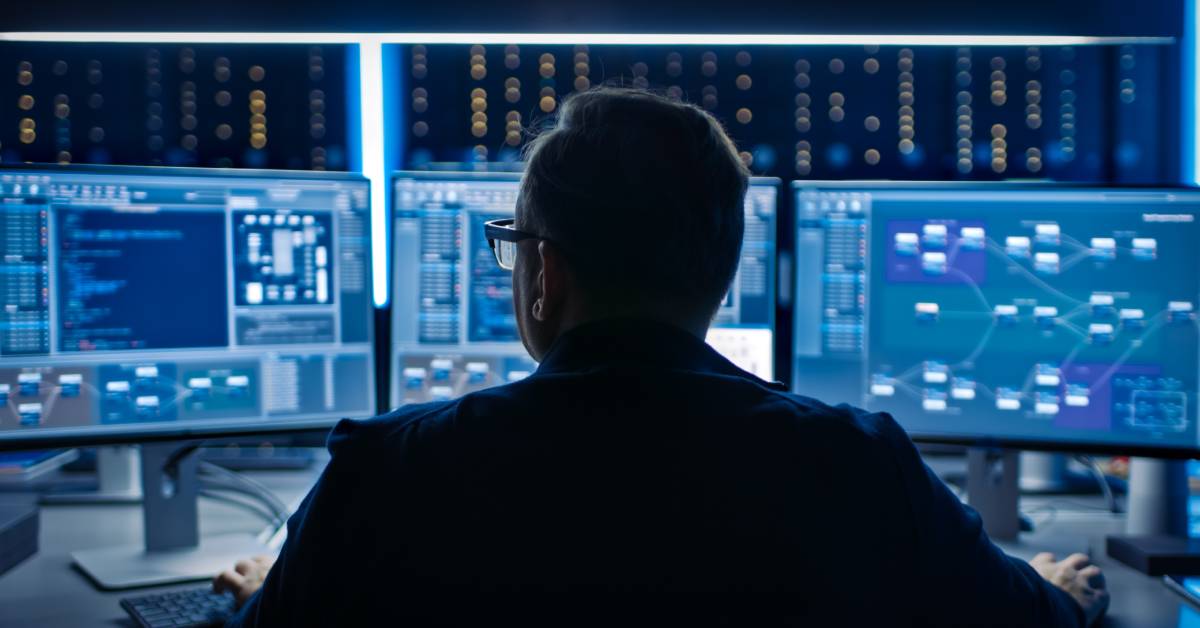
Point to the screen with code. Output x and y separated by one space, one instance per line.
151 300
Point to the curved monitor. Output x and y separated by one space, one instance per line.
453 326
1043 316
150 303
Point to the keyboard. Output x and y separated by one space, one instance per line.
197 608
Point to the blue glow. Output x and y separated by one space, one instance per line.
1188 51
764 157
353 111
915 158
838 155
1188 616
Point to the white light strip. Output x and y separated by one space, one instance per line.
370 95
639 39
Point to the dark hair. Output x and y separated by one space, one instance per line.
644 194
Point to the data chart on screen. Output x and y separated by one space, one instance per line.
1025 314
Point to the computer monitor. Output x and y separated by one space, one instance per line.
453 326
154 303
1034 315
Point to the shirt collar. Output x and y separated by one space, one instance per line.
638 341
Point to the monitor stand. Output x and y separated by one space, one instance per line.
173 551
993 490
119 480
1156 528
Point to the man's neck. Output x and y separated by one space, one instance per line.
573 319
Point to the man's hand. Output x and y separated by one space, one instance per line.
1079 578
244 579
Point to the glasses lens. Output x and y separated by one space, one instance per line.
506 254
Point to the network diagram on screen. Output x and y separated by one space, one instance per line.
1025 314
137 297
453 326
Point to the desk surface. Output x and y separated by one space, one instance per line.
47 591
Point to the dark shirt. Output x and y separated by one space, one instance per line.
638 460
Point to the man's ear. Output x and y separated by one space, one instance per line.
551 282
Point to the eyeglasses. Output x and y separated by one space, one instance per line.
503 237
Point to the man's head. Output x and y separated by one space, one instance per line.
637 200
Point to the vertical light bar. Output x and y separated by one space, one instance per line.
1190 118
393 142
371 143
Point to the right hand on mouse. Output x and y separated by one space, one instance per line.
244 579
1082 580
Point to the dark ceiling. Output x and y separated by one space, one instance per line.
1041 17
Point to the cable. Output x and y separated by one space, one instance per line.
240 504
1098 473
217 483
1051 513
211 484
262 492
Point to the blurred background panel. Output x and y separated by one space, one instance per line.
242 106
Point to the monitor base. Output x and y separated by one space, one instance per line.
132 566
173 550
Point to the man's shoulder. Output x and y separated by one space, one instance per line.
416 420
817 413
399 424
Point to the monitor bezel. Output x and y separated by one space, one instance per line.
97 435
983 441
